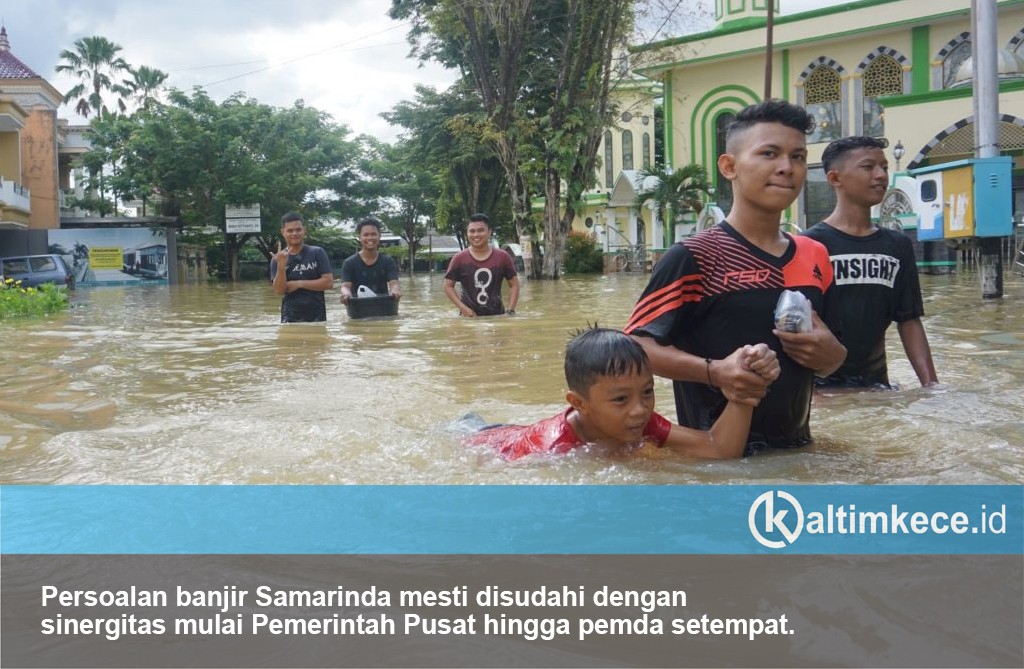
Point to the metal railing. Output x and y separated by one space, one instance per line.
631 258
19 196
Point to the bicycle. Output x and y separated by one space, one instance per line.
631 259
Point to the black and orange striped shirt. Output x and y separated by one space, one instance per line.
715 292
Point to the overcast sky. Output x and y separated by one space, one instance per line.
344 57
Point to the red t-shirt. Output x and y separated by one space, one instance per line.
551 435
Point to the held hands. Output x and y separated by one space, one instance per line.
762 361
745 375
818 350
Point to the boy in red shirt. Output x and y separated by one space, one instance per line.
611 404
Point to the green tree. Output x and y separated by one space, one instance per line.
443 134
398 190
673 192
145 84
96 63
542 69
197 156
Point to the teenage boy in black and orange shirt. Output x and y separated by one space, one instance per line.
713 293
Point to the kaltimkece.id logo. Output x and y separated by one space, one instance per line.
777 519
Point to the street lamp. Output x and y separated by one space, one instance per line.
897 153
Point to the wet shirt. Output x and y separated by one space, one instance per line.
713 293
876 283
551 435
375 277
481 279
302 305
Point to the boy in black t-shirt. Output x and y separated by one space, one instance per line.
874 269
711 294
301 274
369 267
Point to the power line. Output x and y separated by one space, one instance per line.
308 55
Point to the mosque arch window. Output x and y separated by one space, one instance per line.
1014 44
823 98
627 150
884 76
646 146
953 60
609 170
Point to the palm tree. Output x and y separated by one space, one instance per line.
95 62
674 192
145 83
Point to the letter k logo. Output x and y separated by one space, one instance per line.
774 521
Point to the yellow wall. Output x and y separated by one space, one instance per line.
10 156
723 73
39 167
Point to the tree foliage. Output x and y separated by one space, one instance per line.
197 156
397 189
583 254
673 192
542 70
444 133
96 63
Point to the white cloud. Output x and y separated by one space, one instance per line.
345 58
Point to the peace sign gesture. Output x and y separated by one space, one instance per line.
281 256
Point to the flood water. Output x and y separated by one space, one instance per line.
202 385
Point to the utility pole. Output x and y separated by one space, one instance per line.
769 49
984 40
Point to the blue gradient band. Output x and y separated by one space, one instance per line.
796 519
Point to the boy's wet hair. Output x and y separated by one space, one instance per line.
838 149
291 217
597 352
769 111
480 218
369 220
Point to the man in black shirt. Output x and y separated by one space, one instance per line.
874 269
301 274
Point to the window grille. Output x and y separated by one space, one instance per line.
884 76
822 97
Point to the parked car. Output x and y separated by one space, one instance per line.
36 270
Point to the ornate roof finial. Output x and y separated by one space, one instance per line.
4 44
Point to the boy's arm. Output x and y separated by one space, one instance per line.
346 291
915 343
726 439
513 297
449 290
279 266
322 284
728 375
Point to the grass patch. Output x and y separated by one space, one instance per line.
16 301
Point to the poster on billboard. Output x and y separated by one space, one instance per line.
113 255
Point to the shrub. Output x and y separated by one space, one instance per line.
582 254
17 301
